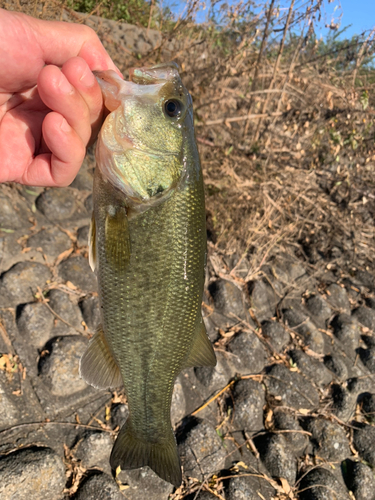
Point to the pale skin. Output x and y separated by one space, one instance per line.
51 105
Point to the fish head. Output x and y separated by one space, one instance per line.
142 143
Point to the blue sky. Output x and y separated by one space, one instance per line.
358 13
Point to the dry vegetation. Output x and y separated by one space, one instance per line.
285 124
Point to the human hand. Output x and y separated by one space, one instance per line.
47 115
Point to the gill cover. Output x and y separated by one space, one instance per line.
140 149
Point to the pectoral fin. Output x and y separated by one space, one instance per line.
92 243
98 366
202 352
117 241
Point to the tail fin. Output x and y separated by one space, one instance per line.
129 452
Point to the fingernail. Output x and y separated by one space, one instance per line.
64 85
87 78
64 125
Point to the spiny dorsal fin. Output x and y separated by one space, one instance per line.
117 241
131 452
92 243
202 352
98 366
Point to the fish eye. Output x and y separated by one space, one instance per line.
173 108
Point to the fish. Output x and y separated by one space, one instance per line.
147 245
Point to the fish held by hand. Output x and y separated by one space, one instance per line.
148 248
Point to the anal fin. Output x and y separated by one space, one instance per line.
98 366
202 352
117 241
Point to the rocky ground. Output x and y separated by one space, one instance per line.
288 410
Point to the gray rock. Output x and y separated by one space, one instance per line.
178 404
205 495
360 479
338 298
319 310
119 415
35 324
276 334
60 367
51 240
33 474
89 204
368 406
14 212
311 367
346 329
286 269
343 402
90 308
335 363
10 250
368 358
365 316
19 284
277 456
228 302
364 442
365 279
263 299
321 484
77 271
83 180
99 483
62 305
285 421
299 320
57 204
143 483
370 302
9 413
369 339
248 354
212 329
83 236
329 440
291 387
94 451
213 379
201 450
249 399
249 488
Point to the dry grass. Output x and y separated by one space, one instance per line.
286 144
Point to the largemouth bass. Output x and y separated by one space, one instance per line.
148 247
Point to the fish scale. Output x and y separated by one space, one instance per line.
148 249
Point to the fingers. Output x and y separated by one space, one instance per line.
78 73
59 167
59 95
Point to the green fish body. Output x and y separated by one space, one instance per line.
148 247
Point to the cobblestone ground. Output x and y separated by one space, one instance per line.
295 349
